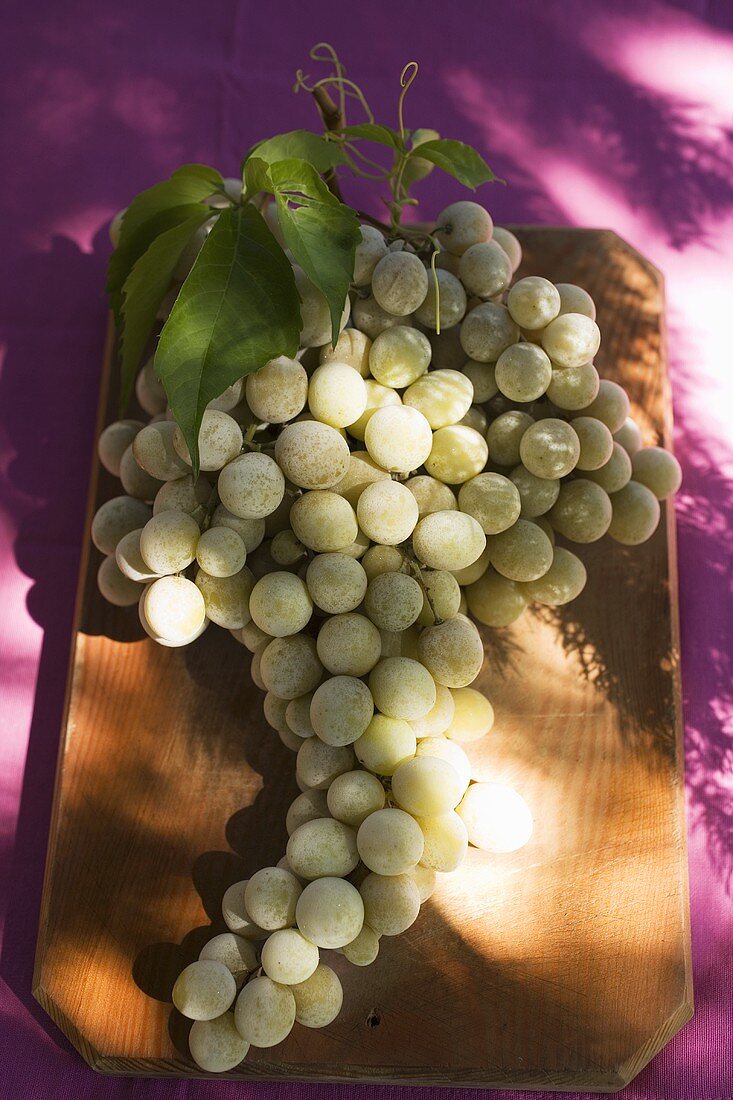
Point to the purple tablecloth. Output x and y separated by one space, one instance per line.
617 114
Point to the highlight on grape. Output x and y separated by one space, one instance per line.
355 441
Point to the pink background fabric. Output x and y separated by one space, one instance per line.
599 114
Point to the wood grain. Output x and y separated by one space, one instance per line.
563 966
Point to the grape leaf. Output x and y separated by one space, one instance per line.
458 160
145 288
301 145
237 309
152 212
319 230
372 131
416 168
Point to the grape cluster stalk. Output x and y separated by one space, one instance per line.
359 506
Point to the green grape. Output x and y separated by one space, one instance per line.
154 451
563 581
596 443
227 598
323 848
312 455
330 912
377 397
385 744
442 396
361 471
297 716
236 953
438 718
452 302
452 652
323 521
230 399
391 903
523 372
381 559
215 1045
485 269
574 388
290 667
658 470
336 394
505 435
353 796
635 514
341 709
369 251
337 583
477 419
611 405
186 495
399 283
168 542
288 957
495 600
571 340
427 786
363 949
615 473
506 240
402 688
393 601
352 347
533 303
445 840
116 518
441 596
318 1000
482 377
549 448
280 604
371 319
399 356
220 552
390 841
250 531
629 436
573 299
265 1012
204 990
537 494
461 225
448 540
308 806
235 914
487 331
387 512
116 587
252 486
285 549
278 391
473 715
443 749
130 561
149 391
431 495
496 817
492 500
220 441
398 438
522 553
270 898
114 441
349 645
274 710
582 512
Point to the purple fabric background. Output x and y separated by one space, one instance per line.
612 114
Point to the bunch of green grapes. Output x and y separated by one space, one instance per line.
358 506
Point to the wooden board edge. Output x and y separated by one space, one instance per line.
86 550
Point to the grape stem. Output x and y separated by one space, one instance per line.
333 119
